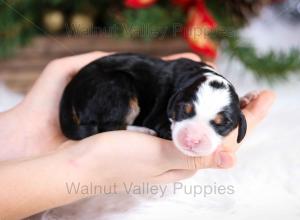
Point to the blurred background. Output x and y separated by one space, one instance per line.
34 32
254 43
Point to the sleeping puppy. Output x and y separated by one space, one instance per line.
180 100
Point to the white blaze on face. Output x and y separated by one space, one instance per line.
210 100
195 136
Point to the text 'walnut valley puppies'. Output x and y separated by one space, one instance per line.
182 100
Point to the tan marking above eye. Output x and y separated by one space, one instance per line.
218 119
75 117
188 108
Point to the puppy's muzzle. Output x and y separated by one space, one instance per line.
193 139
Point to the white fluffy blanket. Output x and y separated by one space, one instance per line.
266 179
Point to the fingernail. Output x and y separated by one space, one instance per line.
223 160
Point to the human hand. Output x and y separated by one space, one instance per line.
37 127
133 157
32 129
121 157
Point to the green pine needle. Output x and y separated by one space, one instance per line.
15 31
271 65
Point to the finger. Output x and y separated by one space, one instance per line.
191 56
257 110
68 66
219 159
58 73
174 159
75 63
173 176
254 112
211 64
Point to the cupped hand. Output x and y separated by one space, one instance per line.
128 157
32 127
120 155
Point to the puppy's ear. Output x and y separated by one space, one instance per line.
242 128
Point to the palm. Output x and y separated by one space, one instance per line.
36 126
41 106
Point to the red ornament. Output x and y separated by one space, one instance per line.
199 23
138 4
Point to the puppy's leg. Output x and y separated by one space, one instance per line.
121 117
163 128
245 100
160 123
157 119
141 129
105 104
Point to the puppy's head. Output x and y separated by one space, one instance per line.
202 112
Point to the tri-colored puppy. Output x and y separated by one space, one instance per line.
182 100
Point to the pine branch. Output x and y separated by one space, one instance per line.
150 23
270 66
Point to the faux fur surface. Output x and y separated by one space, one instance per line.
265 181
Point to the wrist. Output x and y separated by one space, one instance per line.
79 160
41 179
90 160
9 135
75 169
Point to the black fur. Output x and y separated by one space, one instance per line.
97 98
233 117
217 85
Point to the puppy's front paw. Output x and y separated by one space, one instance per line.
141 130
245 100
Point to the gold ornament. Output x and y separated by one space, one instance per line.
81 23
53 21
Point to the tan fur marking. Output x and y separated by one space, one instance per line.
134 110
75 117
218 119
188 108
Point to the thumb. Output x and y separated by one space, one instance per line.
177 160
256 110
190 165
173 176
254 113
219 159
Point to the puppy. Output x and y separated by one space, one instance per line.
180 100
